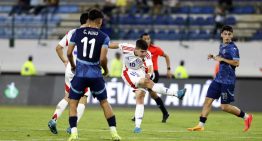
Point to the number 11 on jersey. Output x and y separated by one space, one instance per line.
92 43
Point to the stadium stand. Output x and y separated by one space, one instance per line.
190 20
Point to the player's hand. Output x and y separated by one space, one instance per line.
210 56
218 58
73 69
148 76
169 75
106 73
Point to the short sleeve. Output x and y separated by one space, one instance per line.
63 42
235 53
73 39
106 42
148 59
160 51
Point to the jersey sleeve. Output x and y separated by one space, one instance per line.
73 39
148 59
235 53
63 42
160 52
106 42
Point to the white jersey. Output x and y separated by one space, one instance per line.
134 68
133 62
64 42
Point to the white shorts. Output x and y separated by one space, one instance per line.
68 78
132 78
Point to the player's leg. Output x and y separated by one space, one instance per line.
61 106
77 88
227 96
139 112
80 110
147 83
160 104
98 90
213 93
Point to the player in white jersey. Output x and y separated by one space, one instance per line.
68 77
137 70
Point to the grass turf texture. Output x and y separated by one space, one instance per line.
30 123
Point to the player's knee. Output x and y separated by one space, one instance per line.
224 107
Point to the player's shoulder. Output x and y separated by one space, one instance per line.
71 31
233 46
148 55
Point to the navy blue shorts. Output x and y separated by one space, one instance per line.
96 85
225 91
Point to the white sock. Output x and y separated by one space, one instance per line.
163 90
139 113
201 124
73 130
80 111
112 128
59 109
246 116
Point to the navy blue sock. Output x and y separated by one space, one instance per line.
72 121
111 121
202 119
242 114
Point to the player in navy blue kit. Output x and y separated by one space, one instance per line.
224 83
92 45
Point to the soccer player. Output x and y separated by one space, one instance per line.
61 106
92 45
137 71
156 52
224 83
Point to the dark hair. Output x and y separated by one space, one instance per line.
140 43
227 28
182 63
83 18
144 34
95 14
30 58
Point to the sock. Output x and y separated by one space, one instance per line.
139 113
111 121
161 106
202 121
73 130
163 90
73 121
80 111
59 109
243 115
112 129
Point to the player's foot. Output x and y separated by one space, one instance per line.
73 137
248 122
165 117
115 136
68 130
181 94
133 119
52 126
196 128
137 130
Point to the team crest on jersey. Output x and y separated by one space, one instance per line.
223 51
138 61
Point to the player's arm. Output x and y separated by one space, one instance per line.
60 53
70 55
228 61
169 75
103 60
70 51
114 45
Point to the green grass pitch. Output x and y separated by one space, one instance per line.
30 123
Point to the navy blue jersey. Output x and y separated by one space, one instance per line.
226 73
89 42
